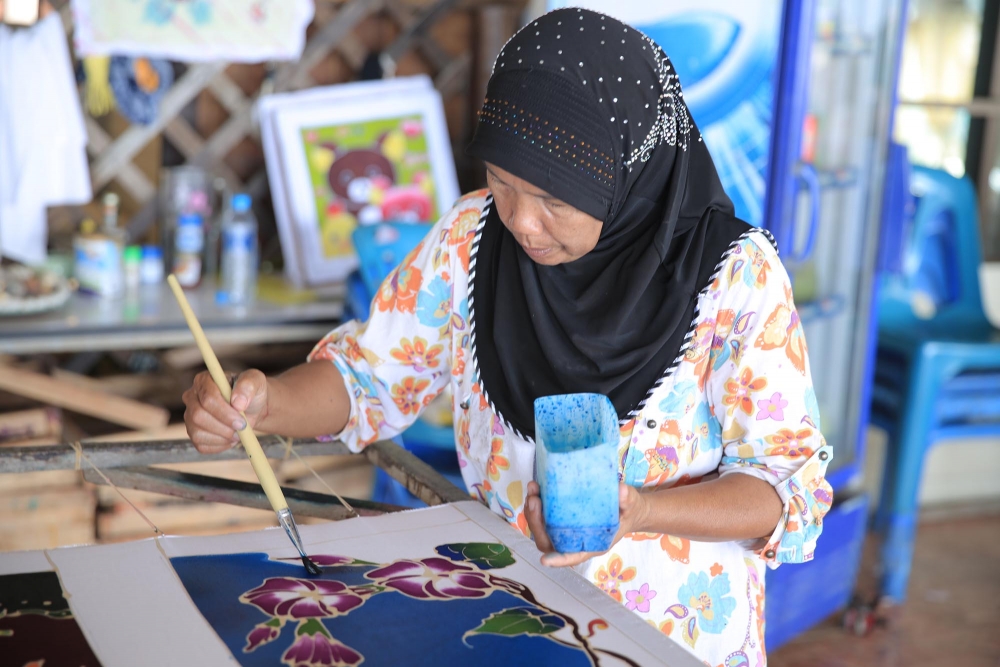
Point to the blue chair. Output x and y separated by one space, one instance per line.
937 372
380 249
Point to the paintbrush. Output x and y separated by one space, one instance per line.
249 439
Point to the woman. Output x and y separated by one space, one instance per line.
604 257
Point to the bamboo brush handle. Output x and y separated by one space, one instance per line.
249 439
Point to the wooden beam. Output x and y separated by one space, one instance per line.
62 394
183 137
417 28
228 93
205 488
419 478
296 74
131 177
122 454
449 80
30 425
437 57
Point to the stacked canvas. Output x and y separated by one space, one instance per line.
348 155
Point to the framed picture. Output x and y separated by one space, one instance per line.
379 152
321 97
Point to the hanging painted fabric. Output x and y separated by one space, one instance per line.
139 84
193 30
43 159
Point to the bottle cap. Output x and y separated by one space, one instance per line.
132 254
88 226
241 202
189 219
152 252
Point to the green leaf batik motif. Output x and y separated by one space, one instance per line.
519 621
484 555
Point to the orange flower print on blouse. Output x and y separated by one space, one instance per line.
677 548
462 232
417 354
738 393
609 579
663 460
399 291
406 394
791 444
783 329
698 353
496 462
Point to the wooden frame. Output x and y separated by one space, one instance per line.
126 462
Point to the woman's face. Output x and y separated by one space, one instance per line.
550 231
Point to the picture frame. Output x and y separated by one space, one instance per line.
352 121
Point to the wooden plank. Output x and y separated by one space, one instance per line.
189 356
171 432
132 140
180 518
13 506
128 385
51 391
30 424
419 478
120 454
13 483
218 490
46 535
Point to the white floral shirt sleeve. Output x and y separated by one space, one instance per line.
760 389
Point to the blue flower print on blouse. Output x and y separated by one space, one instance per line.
434 303
709 597
678 401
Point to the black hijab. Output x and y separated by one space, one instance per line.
591 111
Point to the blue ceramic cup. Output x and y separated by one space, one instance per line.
576 447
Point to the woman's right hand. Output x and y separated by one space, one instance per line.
212 423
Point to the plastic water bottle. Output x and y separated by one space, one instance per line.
238 274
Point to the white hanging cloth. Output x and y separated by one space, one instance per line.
43 140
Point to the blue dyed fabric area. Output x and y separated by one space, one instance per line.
389 629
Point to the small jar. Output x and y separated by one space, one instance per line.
151 269
189 244
132 262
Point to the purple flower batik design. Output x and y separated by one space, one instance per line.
265 632
433 578
314 647
302 598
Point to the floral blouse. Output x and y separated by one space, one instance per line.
739 401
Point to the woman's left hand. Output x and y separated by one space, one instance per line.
632 509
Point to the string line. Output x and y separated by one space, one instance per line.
288 449
80 454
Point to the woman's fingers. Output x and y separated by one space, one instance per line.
250 395
211 422
536 521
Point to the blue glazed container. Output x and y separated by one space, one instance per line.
576 446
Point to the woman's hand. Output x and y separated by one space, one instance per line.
211 422
632 511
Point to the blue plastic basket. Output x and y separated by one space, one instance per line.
798 596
